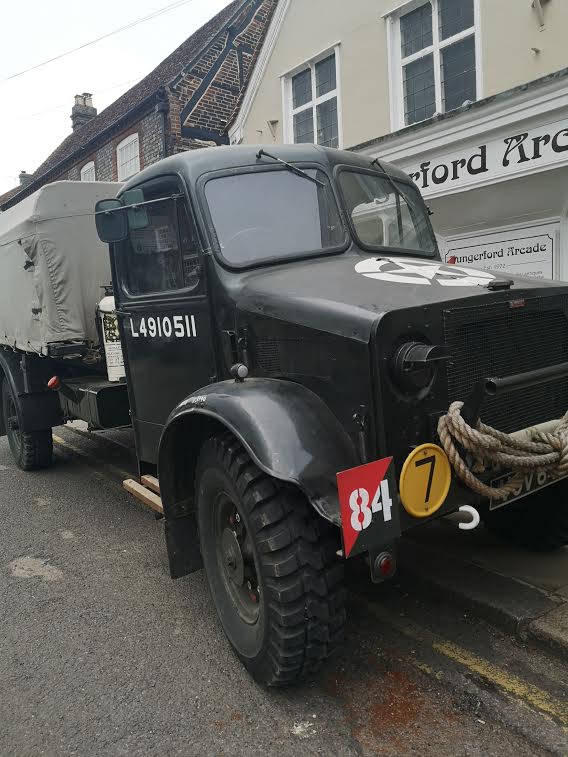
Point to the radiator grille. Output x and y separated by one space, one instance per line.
499 340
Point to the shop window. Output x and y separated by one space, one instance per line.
434 65
311 96
88 172
128 157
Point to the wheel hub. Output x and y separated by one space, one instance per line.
233 557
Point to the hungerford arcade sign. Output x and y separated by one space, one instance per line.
500 158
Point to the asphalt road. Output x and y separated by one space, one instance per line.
101 653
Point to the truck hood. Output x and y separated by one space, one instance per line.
346 294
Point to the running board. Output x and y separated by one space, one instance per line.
146 491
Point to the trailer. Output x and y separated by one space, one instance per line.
305 378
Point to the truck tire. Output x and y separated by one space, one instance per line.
271 565
538 523
32 450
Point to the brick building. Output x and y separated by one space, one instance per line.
188 101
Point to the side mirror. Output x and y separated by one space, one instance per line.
111 221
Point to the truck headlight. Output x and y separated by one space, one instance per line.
414 366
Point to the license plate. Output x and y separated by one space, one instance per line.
531 482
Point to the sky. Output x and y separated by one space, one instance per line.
35 108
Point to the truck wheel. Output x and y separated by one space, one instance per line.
271 565
538 523
31 450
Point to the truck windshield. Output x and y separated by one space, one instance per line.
385 218
272 215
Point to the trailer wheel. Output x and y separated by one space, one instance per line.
538 523
31 450
271 565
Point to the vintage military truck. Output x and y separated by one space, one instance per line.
296 357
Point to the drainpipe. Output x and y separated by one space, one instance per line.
163 107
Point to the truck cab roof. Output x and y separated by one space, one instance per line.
195 163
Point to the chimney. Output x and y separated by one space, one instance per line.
25 178
83 110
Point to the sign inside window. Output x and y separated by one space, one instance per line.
523 252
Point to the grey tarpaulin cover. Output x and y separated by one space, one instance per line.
52 266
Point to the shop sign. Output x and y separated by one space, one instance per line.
523 252
514 153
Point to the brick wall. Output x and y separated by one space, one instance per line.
214 109
151 138
103 163
75 173
149 129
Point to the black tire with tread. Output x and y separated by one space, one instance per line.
300 576
32 450
538 523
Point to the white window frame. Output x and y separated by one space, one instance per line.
397 62
121 146
88 171
288 100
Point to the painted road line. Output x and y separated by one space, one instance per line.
118 472
528 693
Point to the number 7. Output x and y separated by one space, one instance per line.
432 462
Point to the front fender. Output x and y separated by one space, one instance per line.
288 431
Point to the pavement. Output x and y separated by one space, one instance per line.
102 654
522 592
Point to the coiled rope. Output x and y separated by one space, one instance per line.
488 447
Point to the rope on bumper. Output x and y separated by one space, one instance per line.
543 451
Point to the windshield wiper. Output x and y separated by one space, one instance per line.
290 167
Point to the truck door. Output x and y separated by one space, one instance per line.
163 311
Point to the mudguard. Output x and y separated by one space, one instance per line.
37 410
288 431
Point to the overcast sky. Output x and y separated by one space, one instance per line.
36 107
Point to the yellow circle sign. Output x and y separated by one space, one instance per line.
425 480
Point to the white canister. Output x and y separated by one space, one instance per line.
111 339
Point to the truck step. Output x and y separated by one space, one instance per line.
144 494
151 482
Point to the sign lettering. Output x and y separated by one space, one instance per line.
524 252
513 153
179 326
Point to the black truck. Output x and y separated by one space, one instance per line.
293 346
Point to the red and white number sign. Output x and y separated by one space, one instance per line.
369 518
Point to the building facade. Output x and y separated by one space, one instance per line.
187 102
468 96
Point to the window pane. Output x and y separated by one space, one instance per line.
325 76
254 212
304 126
302 88
327 123
455 16
458 73
152 255
128 159
88 172
383 217
189 248
416 30
419 90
